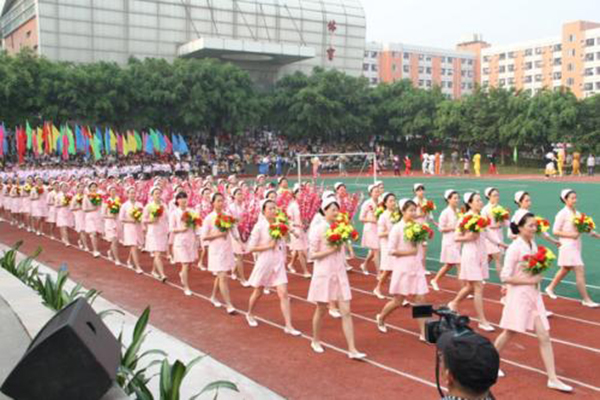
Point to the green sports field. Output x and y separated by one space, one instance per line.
545 198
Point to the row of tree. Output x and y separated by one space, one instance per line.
191 96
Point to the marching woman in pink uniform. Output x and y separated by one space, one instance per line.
236 209
155 219
38 205
132 228
523 200
111 224
26 202
495 228
474 267
63 213
269 269
569 253
408 276
329 281
220 252
79 216
450 255
299 239
93 217
204 207
184 240
50 200
523 308
422 217
384 227
369 238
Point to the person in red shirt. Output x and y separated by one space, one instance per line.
407 165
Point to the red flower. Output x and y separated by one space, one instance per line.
354 234
335 237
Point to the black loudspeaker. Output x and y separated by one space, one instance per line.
74 357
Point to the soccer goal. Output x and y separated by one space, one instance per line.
336 165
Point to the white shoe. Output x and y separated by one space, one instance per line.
405 303
38 233
590 304
246 284
139 271
487 328
501 373
230 310
550 293
187 292
559 386
129 265
251 321
435 286
470 296
291 268
380 325
293 332
233 277
357 356
427 272
549 314
96 254
348 268
216 303
503 300
378 294
335 314
155 275
266 291
108 255
307 275
317 348
364 270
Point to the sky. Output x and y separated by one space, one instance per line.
442 23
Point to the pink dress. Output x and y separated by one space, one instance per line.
269 268
157 232
184 243
523 303
93 217
494 230
369 237
408 275
133 234
25 202
38 204
329 279
450 248
64 217
51 207
569 252
111 224
474 259
384 224
220 251
298 241
236 212
78 215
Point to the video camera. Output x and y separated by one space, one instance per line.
450 321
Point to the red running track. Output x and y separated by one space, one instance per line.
398 365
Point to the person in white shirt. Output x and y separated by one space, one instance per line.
591 163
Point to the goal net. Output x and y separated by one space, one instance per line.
351 168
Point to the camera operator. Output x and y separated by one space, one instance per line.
469 365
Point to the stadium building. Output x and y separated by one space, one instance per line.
268 38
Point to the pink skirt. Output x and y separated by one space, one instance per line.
185 254
110 229
131 234
220 255
38 209
386 261
406 283
51 214
523 304
93 222
64 217
370 240
79 217
299 243
491 247
569 255
268 273
326 286
26 205
450 253
156 241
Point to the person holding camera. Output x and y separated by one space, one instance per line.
470 365
524 308
408 275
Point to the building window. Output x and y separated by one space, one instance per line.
470 74
450 71
421 82
539 64
420 56
374 81
597 70
597 85
449 85
486 83
589 57
511 81
443 71
428 58
421 69
365 67
486 58
428 70
571 38
405 69
470 85
557 76
428 83
443 59
527 79
502 82
588 86
463 73
598 55
538 78
367 52
462 85
528 52
589 72
528 65
557 61
590 42
486 71
374 67
570 81
502 69
28 34
511 67
394 54
557 47
571 52
570 67
450 59
406 56
538 50
502 56
373 54
511 54
394 67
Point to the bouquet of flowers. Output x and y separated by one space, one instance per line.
500 214
136 213
309 201
396 217
39 190
224 222
379 210
282 217
341 231
156 211
349 204
418 233
27 188
542 224
473 223
584 223
539 262
95 199
278 230
79 199
191 219
66 200
428 206
113 205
